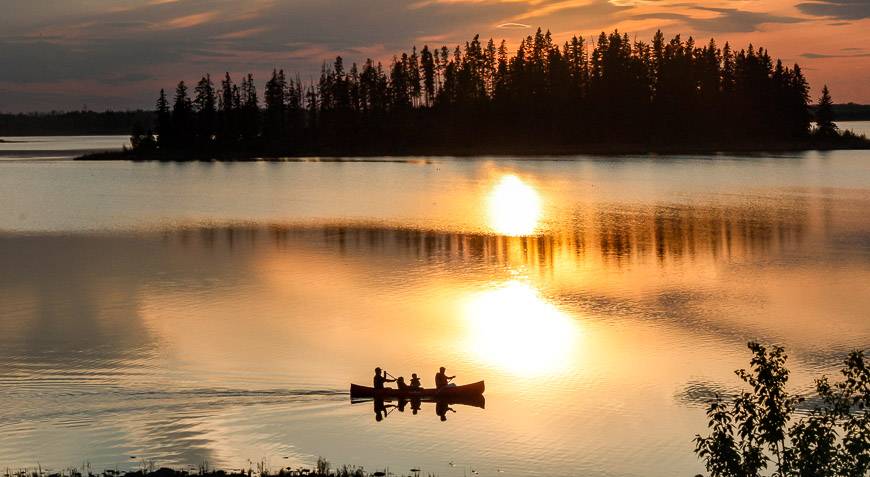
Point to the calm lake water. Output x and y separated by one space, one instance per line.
217 312
57 147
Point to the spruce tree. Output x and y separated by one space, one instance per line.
229 107
825 126
249 109
427 64
164 121
205 104
182 117
274 97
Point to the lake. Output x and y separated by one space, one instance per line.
57 147
184 313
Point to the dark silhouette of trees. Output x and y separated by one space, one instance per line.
274 96
229 106
825 126
205 107
182 118
427 66
249 110
758 428
477 96
76 122
164 121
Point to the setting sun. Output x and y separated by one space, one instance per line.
514 207
513 328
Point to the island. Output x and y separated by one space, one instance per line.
615 96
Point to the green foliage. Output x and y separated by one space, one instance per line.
757 430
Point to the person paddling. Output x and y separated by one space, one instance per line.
381 378
442 380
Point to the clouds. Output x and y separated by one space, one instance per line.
513 26
817 56
723 20
246 33
141 45
839 9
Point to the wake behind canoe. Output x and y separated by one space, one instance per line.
468 390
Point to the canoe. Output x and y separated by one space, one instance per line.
446 393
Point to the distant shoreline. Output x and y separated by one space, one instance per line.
109 123
854 143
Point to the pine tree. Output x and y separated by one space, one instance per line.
825 126
427 64
228 106
182 117
164 121
413 67
798 104
249 109
205 106
274 97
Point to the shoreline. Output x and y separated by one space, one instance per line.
354 155
147 469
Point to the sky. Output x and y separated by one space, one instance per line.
117 54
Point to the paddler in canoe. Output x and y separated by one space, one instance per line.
381 378
443 389
442 380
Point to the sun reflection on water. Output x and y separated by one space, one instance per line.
512 328
514 207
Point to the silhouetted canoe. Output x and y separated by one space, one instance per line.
446 393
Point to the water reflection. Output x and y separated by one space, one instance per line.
612 238
511 327
514 207
383 408
614 309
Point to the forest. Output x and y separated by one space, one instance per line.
73 122
481 98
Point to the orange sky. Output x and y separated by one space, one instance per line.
117 53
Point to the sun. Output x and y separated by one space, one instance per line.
514 207
514 329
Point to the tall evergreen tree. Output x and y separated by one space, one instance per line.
228 104
205 106
182 117
427 64
274 97
249 109
825 126
164 122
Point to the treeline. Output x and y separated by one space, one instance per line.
481 97
74 123
849 112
